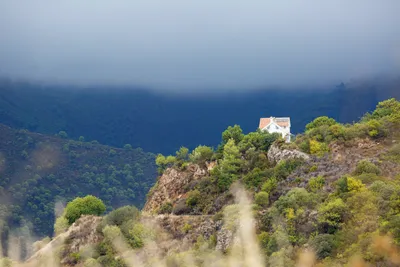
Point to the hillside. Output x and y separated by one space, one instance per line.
119 115
40 172
330 198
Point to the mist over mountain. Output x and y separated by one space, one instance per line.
161 122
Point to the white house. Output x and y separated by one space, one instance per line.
276 125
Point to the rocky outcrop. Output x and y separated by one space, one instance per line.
172 184
81 234
276 154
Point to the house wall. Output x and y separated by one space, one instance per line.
274 128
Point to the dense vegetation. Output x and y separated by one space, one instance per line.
39 173
355 214
162 123
336 218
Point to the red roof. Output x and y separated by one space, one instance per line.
264 122
283 122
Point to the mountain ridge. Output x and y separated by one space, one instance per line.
161 122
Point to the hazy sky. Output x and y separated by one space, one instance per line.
187 44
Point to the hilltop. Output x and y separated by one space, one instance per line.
329 196
40 172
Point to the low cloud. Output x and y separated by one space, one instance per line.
186 45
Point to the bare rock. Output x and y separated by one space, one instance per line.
171 186
276 154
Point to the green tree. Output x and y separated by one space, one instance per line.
234 133
259 140
81 139
164 162
270 185
201 154
390 107
262 199
323 245
320 121
254 178
84 206
182 154
331 215
229 167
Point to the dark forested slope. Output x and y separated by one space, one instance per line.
37 171
162 123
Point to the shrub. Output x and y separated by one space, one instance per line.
128 147
165 208
111 261
368 178
364 166
304 145
263 238
318 148
394 228
86 205
262 199
331 214
337 130
388 108
323 245
316 183
295 198
320 121
285 167
270 185
193 198
313 168
254 178
341 185
182 154
354 184
201 154
186 228
375 129
164 162
121 215
394 153
139 234
383 189
81 139
180 207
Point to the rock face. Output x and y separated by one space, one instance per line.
172 184
276 154
81 234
